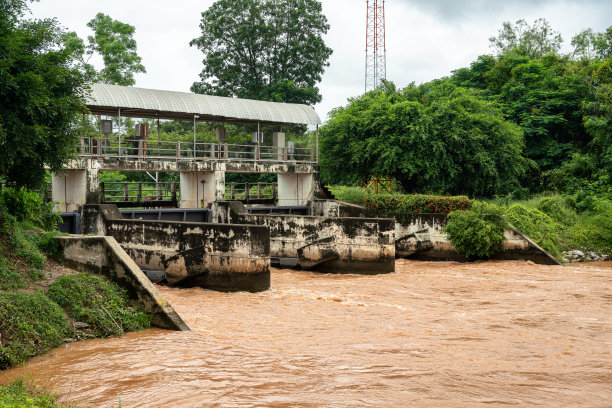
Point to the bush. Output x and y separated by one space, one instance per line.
30 324
476 232
27 206
557 208
101 304
592 230
382 204
538 226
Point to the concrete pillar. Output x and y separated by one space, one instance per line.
278 141
198 189
295 189
73 188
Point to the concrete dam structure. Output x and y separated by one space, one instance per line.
230 248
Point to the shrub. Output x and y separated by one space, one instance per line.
27 206
101 304
476 232
557 208
538 226
415 204
30 324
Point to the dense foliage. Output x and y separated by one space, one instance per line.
477 232
435 138
523 121
263 49
40 96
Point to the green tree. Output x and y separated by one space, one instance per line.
114 42
40 96
435 138
263 49
590 45
522 39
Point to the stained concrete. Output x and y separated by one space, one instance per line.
104 255
223 257
325 244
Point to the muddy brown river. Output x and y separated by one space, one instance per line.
432 334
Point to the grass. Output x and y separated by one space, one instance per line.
30 324
22 394
94 300
35 314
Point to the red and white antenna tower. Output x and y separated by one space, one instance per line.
376 49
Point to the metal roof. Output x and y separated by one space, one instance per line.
107 99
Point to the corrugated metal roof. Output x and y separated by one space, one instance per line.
151 103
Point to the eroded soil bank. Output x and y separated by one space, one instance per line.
431 334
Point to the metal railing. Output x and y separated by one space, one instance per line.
138 149
139 192
251 192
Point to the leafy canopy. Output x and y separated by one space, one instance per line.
434 138
522 39
114 42
40 96
263 49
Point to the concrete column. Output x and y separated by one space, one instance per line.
278 141
295 189
198 189
69 189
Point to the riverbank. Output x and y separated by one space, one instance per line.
430 334
43 304
571 229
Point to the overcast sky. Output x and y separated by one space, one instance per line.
426 39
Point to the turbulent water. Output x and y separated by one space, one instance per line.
432 334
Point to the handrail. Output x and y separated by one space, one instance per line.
138 191
138 149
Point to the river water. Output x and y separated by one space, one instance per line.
432 334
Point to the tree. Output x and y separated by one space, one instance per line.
435 138
263 49
114 42
590 45
524 40
40 96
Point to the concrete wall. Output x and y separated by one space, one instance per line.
420 236
220 257
335 208
336 245
104 255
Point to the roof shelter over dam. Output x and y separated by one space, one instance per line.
128 101
202 166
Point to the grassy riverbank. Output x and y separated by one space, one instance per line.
558 223
43 304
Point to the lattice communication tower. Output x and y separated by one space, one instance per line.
376 49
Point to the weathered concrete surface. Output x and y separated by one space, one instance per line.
335 245
104 255
420 236
220 257
335 208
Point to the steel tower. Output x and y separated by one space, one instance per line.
376 49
